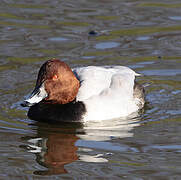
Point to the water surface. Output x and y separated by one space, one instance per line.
142 35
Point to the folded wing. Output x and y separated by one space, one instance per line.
94 80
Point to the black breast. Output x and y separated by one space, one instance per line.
73 111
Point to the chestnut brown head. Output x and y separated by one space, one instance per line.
56 83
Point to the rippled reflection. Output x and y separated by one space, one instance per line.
54 147
58 145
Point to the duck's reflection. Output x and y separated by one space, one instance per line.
56 145
60 150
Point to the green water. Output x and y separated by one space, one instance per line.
140 34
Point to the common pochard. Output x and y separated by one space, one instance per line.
84 93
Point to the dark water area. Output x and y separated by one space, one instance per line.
144 35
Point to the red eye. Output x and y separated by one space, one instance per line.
55 77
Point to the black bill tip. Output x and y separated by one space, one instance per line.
26 104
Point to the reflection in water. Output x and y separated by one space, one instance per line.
54 148
106 45
58 145
57 151
107 130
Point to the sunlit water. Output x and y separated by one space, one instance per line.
145 36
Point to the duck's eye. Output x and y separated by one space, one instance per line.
55 77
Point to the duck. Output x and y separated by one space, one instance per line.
91 93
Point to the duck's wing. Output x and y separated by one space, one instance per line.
95 80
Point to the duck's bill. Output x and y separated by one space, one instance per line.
38 94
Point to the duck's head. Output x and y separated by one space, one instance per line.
56 83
